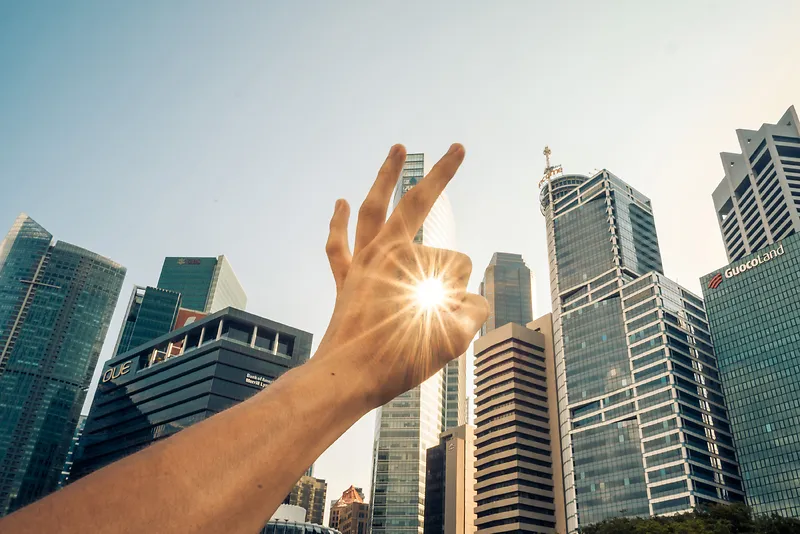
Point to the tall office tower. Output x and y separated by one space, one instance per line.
643 422
349 513
507 285
151 313
754 314
519 487
758 200
56 301
186 376
205 284
450 483
309 493
411 423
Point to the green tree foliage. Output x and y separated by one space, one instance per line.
734 519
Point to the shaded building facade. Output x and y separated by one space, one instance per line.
151 313
518 478
56 302
508 286
186 376
408 425
309 493
644 427
758 200
450 483
754 315
349 513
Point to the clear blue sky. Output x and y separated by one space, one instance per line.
146 129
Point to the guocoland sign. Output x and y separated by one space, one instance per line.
730 272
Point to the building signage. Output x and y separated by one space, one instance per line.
188 261
736 270
117 371
257 380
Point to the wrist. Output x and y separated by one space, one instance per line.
347 384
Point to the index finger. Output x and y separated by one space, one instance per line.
410 213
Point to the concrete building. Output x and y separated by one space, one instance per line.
309 493
644 428
450 483
508 286
349 513
754 314
519 484
56 302
758 200
183 377
411 423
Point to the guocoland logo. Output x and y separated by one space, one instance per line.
736 270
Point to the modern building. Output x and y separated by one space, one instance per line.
507 285
349 513
151 313
56 301
289 519
644 429
205 284
450 483
309 493
518 478
411 423
754 313
183 377
72 453
758 200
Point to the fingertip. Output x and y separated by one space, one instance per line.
456 149
397 150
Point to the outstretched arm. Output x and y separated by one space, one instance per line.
230 472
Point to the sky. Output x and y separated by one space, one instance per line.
147 129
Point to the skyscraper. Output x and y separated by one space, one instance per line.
758 200
151 313
507 285
411 423
205 284
519 485
154 390
644 427
56 301
754 314
450 483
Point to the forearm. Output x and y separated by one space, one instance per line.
226 474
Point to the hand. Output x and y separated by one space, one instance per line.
379 332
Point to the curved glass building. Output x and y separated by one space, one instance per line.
411 423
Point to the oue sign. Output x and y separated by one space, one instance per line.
117 371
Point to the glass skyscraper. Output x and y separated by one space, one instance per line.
411 423
151 313
205 284
507 285
758 200
56 301
754 313
644 428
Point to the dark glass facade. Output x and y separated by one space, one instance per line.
754 314
507 286
191 277
643 423
56 303
151 314
157 389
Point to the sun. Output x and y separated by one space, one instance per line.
430 293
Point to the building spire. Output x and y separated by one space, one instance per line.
549 170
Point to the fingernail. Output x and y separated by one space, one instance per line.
453 148
338 205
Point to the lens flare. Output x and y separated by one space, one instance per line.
430 293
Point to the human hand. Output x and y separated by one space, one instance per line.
379 332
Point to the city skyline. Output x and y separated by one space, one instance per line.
226 124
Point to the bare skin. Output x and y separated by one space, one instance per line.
229 473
